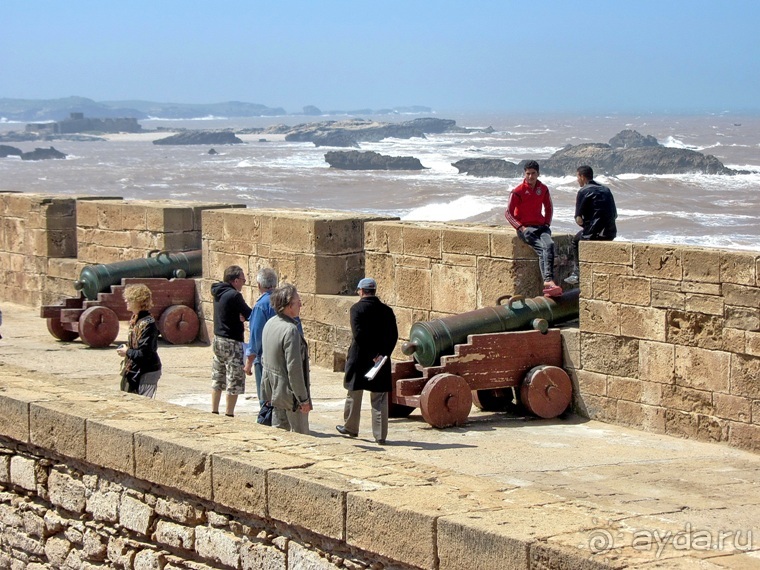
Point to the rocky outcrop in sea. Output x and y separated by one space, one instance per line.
627 152
6 150
42 154
200 137
355 160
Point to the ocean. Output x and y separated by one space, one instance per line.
696 209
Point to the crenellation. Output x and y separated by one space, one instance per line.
466 241
423 240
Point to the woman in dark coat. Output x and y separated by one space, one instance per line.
141 368
374 330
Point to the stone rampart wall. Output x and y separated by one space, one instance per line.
113 480
669 340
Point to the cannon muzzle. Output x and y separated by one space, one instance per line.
429 340
94 279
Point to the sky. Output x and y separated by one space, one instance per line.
658 56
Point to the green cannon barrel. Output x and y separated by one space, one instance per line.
429 340
95 279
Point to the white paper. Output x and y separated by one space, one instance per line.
374 370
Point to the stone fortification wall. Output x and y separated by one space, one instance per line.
669 340
113 480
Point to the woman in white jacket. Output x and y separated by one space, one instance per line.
285 363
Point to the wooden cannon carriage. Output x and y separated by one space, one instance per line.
94 315
485 368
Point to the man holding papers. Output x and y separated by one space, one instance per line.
374 330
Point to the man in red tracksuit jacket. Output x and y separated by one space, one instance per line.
530 211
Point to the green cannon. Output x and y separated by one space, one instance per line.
429 340
94 279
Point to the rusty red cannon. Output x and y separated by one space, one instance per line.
95 314
480 357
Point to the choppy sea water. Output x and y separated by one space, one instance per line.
696 209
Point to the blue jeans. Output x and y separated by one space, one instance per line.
540 239
257 372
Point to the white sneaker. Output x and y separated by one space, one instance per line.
572 279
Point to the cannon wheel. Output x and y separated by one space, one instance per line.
446 400
56 329
179 324
399 410
98 326
498 400
546 391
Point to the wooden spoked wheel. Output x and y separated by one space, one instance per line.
179 324
546 391
98 326
446 401
56 329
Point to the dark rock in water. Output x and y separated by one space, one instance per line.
42 154
212 151
311 110
628 152
355 160
6 150
200 137
632 139
335 138
263 140
488 167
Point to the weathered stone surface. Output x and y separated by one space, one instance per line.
643 322
694 329
368 160
657 362
599 317
610 355
456 288
658 261
66 491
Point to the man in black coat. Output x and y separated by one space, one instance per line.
374 330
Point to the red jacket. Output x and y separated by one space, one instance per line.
525 204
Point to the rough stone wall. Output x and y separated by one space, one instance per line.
320 251
669 340
34 229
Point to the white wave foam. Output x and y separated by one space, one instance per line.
459 209
672 142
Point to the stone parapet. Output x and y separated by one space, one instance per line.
109 479
668 338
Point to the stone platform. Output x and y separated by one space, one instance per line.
500 492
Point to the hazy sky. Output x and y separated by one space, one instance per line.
469 55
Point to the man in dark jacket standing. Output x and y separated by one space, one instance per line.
230 312
374 330
595 212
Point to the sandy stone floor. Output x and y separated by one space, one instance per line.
636 473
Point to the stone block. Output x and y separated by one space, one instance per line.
590 383
384 237
468 241
413 288
219 545
752 346
651 393
741 296
331 310
599 317
681 424
24 472
104 505
707 304
738 267
571 347
610 355
135 216
744 436
454 288
180 241
166 217
623 389
701 288
66 492
458 259
600 285
310 498
657 261
734 408
694 329
611 252
328 274
59 427
14 421
702 265
630 290
745 376
498 277
424 240
506 245
339 236
657 362
743 318
175 535
703 369
643 322
213 225
257 556
687 399
240 480
135 515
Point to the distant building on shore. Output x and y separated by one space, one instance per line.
77 123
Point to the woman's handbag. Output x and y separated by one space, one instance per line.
265 414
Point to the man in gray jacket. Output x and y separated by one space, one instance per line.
285 363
